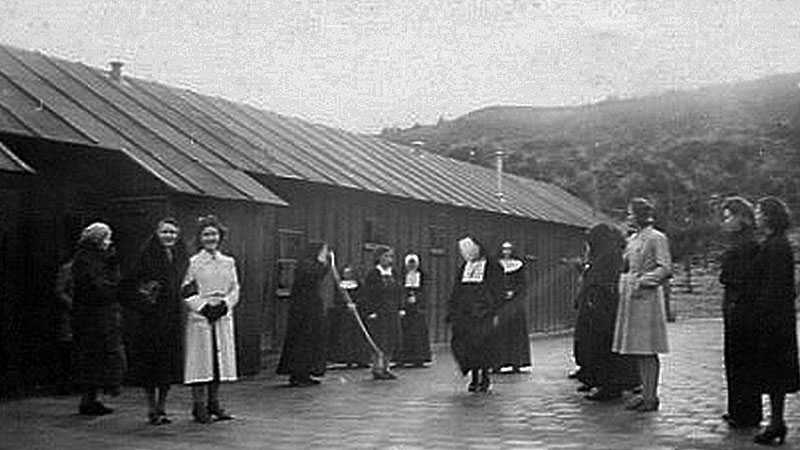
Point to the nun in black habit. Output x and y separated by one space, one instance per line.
415 349
472 311
303 352
513 341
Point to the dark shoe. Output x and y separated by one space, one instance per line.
584 388
733 423
603 395
648 405
157 419
302 381
200 413
485 384
384 375
634 403
472 386
218 413
771 436
94 409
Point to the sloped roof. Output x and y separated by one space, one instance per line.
9 162
207 145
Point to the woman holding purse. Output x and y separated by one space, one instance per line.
211 292
156 318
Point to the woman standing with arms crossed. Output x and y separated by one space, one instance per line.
210 291
641 326
157 318
776 321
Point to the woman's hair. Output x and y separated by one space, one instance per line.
604 239
776 214
644 211
743 210
94 234
168 221
379 251
210 220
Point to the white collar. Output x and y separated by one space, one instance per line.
413 279
348 284
511 265
474 271
385 272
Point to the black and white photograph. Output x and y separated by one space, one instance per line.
382 224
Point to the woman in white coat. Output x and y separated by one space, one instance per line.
210 291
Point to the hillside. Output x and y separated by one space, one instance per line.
683 149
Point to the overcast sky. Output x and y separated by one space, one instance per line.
367 64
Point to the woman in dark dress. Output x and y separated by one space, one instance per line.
736 276
346 345
383 295
472 311
96 318
774 312
609 372
513 343
416 348
156 318
303 352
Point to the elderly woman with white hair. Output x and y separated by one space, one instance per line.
415 348
472 311
97 332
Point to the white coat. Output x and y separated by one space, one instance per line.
215 275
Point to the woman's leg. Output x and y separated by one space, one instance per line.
776 405
214 407
650 368
150 395
161 402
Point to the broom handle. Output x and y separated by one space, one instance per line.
337 280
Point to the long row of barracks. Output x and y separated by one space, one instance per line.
79 144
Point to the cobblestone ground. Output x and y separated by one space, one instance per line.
425 408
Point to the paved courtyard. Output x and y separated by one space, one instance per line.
425 408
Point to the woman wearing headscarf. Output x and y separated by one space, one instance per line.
383 296
609 372
156 318
513 340
415 349
210 292
737 278
303 352
472 311
96 318
641 326
776 363
346 344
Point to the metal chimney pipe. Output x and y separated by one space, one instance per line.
499 160
116 70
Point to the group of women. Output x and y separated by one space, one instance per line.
621 326
320 331
393 310
179 310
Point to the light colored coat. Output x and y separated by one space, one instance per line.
216 279
641 327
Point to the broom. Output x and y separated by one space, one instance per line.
377 352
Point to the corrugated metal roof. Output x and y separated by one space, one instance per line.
208 146
9 162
